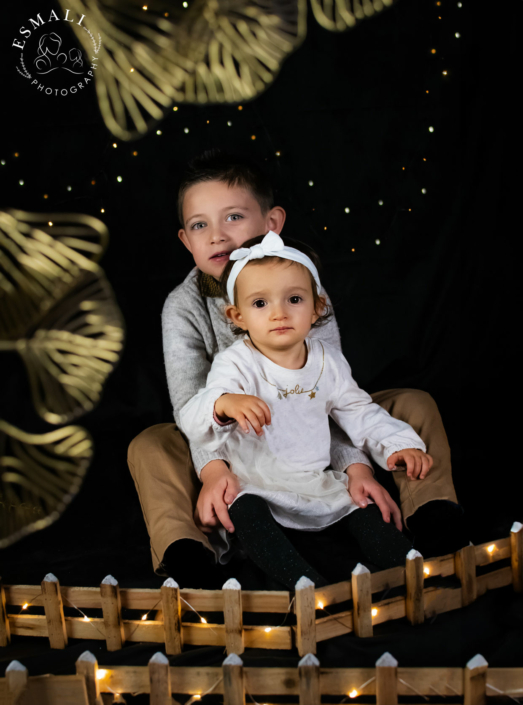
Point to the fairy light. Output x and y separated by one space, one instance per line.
50 222
444 73
347 210
131 70
144 7
21 182
320 605
101 673
135 154
353 693
93 182
240 107
115 145
432 51
17 154
46 196
119 179
102 210
431 129
278 154
186 130
69 188
491 548
311 183
253 137
377 242
423 190
144 617
268 629
175 108
203 621
3 162
25 605
426 570
457 35
374 612
185 4
158 132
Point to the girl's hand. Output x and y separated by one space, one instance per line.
417 462
245 409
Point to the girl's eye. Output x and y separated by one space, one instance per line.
259 303
196 226
295 299
235 216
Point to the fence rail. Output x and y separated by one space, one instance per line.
163 609
385 683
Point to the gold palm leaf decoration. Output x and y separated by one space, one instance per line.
39 475
216 51
339 15
37 268
58 312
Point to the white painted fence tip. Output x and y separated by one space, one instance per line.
412 554
309 660
170 583
477 661
50 578
303 583
387 659
360 569
87 656
159 658
15 666
516 526
233 660
109 580
232 584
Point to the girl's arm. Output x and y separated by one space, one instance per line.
371 428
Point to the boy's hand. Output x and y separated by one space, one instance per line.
245 409
418 463
362 485
220 487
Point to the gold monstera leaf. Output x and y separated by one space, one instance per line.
39 475
40 262
215 51
72 351
339 15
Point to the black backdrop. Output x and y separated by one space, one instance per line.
433 306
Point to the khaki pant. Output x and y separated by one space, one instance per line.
168 486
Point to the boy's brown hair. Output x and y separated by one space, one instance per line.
232 169
289 242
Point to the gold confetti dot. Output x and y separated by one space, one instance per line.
93 182
253 137
240 107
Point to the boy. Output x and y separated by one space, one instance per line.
222 202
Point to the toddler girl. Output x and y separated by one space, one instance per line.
268 400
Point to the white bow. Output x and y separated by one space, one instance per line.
271 246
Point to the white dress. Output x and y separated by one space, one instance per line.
287 465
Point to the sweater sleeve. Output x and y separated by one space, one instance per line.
197 418
186 364
371 428
343 452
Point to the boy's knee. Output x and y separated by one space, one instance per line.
149 439
414 402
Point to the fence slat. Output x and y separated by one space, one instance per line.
87 666
112 611
17 677
465 561
362 601
160 680
309 675
305 616
415 603
233 616
54 612
172 617
386 680
475 681
233 686
5 632
516 555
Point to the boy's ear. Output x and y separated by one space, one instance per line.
183 237
275 219
234 315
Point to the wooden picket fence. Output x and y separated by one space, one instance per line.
168 605
385 683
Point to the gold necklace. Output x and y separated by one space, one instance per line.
284 393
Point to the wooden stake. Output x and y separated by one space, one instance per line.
516 555
87 666
233 687
5 631
54 612
305 616
362 601
309 674
16 677
465 566
172 617
415 606
233 616
160 680
475 681
386 680
112 611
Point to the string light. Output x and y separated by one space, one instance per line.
115 145
203 621
378 242
347 210
144 7
131 71
119 179
278 154
374 612
444 73
101 673
185 4
144 617
426 570
102 210
175 108
229 123
457 35
431 129
186 130
86 618
3 162
320 605
311 183
353 693
491 548
423 190
158 132
21 182
50 222
380 203
69 188
268 629
25 605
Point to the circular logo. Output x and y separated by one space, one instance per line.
49 57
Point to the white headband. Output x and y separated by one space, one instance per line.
271 246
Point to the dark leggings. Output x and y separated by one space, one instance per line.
265 542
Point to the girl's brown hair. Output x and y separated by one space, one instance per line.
289 242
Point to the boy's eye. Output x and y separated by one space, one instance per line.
196 226
295 299
259 303
235 216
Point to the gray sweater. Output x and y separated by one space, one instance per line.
194 330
